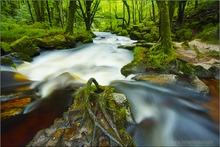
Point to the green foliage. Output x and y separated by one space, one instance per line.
186 67
5 48
184 34
210 34
214 54
25 46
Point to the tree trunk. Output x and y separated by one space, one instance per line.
133 12
58 10
110 9
29 8
196 4
88 14
165 31
153 10
71 17
123 24
42 15
182 5
171 10
128 10
37 10
48 11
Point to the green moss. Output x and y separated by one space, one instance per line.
210 34
186 67
8 62
5 48
184 34
213 54
24 45
153 59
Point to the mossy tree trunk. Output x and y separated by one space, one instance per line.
88 13
181 10
172 6
153 10
164 28
71 17
128 11
48 12
37 10
59 20
29 8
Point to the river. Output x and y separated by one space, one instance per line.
170 116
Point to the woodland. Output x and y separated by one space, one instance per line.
172 37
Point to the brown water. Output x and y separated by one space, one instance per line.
20 129
214 94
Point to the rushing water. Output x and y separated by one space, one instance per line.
101 60
168 116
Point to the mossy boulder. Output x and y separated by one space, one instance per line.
5 48
56 41
135 35
7 62
25 45
84 37
95 118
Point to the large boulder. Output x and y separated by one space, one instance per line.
57 41
25 45
95 118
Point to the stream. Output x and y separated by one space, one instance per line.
165 116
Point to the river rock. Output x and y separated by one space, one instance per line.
94 119
58 41
199 85
160 79
215 71
25 45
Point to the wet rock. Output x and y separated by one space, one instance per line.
215 72
7 62
199 85
95 118
160 79
202 72
25 45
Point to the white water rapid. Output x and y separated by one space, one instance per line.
101 60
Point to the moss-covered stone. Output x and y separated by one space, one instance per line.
7 61
25 45
56 41
94 119
5 48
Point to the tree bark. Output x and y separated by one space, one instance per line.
181 10
37 10
89 12
59 13
48 11
29 8
128 11
172 5
153 10
165 30
71 17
